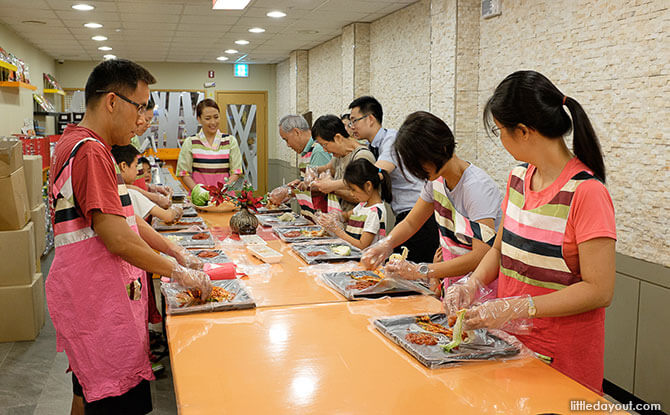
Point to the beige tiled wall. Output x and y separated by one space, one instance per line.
612 57
325 75
278 149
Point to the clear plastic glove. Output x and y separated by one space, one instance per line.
164 190
192 279
279 195
403 269
374 255
311 174
162 201
177 212
461 294
294 183
509 314
326 185
188 259
331 222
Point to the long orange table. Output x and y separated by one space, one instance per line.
313 352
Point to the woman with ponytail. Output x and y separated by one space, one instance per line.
554 257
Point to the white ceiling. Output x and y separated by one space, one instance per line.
185 30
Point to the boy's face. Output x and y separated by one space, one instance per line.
146 172
129 173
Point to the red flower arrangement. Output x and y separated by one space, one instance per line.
242 198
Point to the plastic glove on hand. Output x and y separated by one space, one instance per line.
188 259
163 201
403 269
329 222
460 295
177 212
500 313
374 255
279 195
192 279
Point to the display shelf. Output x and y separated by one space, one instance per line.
15 84
9 66
54 91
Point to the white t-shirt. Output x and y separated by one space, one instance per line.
141 204
373 222
475 196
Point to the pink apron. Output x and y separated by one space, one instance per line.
211 164
97 301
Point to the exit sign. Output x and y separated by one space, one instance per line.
241 70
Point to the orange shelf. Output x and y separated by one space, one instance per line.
18 85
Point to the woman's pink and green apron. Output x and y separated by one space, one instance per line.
211 164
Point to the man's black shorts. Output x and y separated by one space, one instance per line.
137 401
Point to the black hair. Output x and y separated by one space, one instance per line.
143 160
361 171
345 117
151 104
529 98
326 126
423 138
115 75
368 105
125 153
208 102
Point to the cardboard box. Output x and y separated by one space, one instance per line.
22 309
37 216
11 157
17 256
32 168
14 210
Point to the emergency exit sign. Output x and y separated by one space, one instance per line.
241 70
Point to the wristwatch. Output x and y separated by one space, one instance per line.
424 269
532 310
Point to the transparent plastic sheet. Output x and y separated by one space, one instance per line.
307 251
481 344
342 282
290 234
273 219
242 299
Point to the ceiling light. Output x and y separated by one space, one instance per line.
222 58
99 38
83 7
105 48
230 51
242 42
229 4
276 14
257 30
93 25
107 57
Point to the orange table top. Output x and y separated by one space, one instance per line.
328 358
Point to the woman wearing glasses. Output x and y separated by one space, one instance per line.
554 259
209 157
463 198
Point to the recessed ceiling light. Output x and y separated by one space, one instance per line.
99 38
230 51
257 30
242 42
222 58
105 48
276 14
83 7
229 4
93 25
106 57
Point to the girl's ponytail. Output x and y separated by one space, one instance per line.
385 186
361 171
585 142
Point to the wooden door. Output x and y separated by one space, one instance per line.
244 115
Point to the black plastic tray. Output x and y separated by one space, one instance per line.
242 300
187 242
389 288
303 249
271 219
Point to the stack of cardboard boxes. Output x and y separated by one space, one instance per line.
21 284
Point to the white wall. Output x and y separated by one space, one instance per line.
16 104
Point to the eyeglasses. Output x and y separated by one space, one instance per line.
495 130
140 107
354 121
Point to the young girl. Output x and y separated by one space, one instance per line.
366 223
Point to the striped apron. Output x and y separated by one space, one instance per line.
532 263
96 299
356 222
457 231
211 164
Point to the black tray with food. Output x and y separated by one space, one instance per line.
356 285
292 234
316 252
182 223
226 295
282 219
191 239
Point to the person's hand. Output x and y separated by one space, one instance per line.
403 269
499 313
294 183
176 211
164 190
324 185
188 259
438 255
162 201
329 221
302 186
279 195
192 279
460 295
374 255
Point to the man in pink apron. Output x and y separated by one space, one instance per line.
96 287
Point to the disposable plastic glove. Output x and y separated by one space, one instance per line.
279 195
177 212
188 259
330 221
162 201
374 255
461 294
509 314
192 279
403 269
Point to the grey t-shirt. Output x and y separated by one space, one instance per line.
405 191
476 196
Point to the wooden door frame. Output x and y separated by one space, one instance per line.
262 145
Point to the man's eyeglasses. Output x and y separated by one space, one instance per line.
140 107
354 121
